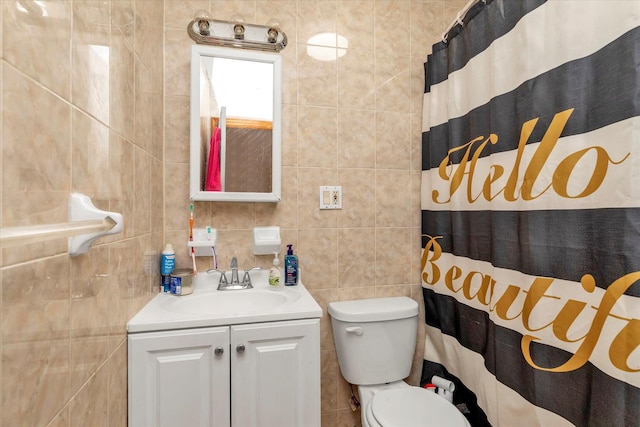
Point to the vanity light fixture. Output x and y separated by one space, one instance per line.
236 33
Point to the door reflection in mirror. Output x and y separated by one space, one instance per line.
245 158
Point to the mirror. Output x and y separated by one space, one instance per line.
235 151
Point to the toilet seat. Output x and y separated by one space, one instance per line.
412 407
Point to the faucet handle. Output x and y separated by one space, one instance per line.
246 279
223 279
223 276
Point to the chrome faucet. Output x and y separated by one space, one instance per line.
234 271
225 284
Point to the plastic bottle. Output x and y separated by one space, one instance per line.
167 264
290 267
275 276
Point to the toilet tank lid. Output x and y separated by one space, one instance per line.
373 309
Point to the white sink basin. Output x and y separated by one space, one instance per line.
231 302
207 306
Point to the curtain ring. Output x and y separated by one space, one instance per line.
444 37
459 20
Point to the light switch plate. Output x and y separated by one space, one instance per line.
330 197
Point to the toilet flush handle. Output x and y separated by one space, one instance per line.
355 330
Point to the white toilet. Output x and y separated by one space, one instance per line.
375 341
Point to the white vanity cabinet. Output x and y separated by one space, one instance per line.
275 374
258 374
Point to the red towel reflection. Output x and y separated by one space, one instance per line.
213 182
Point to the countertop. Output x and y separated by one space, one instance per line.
170 312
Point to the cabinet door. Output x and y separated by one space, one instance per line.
275 374
177 378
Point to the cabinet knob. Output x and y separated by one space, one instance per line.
218 351
240 348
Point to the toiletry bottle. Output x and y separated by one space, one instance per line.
290 267
275 276
167 264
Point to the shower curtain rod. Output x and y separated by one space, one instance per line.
460 17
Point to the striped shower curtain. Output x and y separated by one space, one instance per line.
531 213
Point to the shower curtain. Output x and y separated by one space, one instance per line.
530 203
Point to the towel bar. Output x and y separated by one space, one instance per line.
86 223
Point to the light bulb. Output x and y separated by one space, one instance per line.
202 14
238 28
273 23
272 32
237 18
202 19
238 32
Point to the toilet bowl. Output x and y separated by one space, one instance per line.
402 405
375 340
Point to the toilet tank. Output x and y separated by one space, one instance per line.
375 338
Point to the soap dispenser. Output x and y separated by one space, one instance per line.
275 275
290 267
